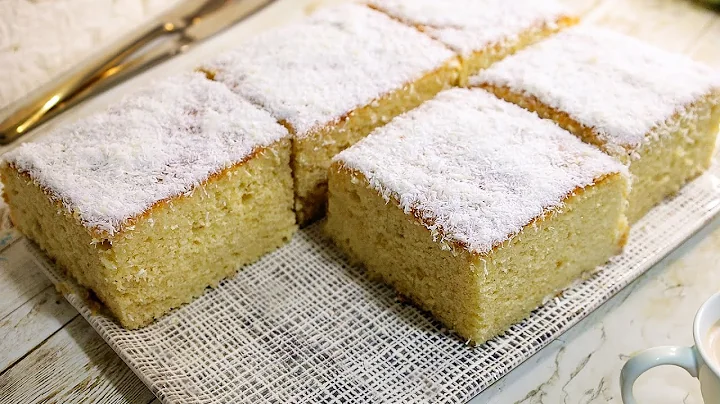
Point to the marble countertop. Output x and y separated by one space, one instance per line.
48 353
583 365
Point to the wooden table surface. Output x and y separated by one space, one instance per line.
49 354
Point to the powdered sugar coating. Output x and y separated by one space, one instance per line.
156 144
472 25
618 86
313 73
474 168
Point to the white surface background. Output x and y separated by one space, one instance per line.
48 353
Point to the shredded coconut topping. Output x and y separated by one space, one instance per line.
313 73
474 168
472 25
156 144
618 86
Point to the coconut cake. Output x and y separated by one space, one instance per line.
476 209
152 201
656 111
481 32
331 79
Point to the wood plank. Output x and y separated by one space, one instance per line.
20 277
31 324
31 309
73 366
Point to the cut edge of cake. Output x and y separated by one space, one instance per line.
313 150
313 153
94 262
449 244
315 145
443 281
128 225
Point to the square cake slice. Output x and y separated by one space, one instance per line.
480 31
332 79
656 111
163 195
476 209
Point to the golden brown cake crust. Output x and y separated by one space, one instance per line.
459 247
312 153
157 143
586 133
101 235
673 152
477 295
172 252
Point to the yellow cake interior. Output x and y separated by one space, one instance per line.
478 296
679 152
312 154
169 255
673 153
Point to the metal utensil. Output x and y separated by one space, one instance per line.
164 37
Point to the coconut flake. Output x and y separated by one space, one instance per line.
474 168
619 87
155 144
312 73
469 26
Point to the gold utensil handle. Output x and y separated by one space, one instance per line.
106 69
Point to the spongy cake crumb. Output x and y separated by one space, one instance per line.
312 73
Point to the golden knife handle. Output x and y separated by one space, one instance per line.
106 69
53 98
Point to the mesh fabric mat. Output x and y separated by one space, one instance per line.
302 325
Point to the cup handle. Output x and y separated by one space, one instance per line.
683 357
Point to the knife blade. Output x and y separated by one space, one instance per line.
173 32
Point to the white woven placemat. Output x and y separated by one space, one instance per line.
302 325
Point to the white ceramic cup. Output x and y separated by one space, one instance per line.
697 360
